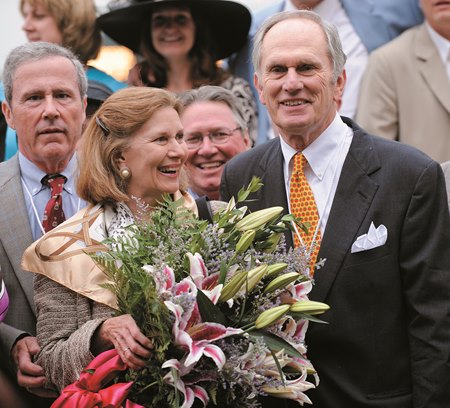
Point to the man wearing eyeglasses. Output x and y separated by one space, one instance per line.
214 131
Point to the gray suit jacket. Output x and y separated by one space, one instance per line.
386 341
446 168
405 94
15 237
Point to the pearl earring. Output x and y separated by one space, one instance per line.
125 173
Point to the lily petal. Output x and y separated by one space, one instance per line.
214 294
211 331
189 397
172 363
301 290
198 269
201 394
170 277
216 354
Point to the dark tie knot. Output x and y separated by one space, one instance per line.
54 181
50 179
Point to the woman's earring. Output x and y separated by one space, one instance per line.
125 173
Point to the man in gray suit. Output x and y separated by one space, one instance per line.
45 89
383 219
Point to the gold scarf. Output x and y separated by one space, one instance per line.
63 253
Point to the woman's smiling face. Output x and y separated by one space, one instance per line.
155 156
172 31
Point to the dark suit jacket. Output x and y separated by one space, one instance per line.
387 340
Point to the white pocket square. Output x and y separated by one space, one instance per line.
374 238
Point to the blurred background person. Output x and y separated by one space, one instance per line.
70 23
363 25
215 130
132 152
97 92
181 41
405 92
46 107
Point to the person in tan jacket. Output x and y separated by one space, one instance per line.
405 91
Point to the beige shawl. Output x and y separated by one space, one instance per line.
63 253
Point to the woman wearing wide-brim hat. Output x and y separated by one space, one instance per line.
181 41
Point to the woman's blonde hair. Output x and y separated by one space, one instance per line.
108 135
77 21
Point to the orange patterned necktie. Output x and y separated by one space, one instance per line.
303 206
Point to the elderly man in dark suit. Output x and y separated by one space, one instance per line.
383 218
45 89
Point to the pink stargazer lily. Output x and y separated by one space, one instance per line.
197 336
190 392
300 290
198 269
163 282
294 390
199 274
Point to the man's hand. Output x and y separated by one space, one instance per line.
30 375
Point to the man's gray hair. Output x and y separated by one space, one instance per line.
335 52
36 51
211 93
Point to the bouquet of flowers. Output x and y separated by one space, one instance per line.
224 303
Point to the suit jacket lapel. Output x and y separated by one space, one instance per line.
15 231
270 170
431 67
354 194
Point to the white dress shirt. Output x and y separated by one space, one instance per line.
443 47
325 156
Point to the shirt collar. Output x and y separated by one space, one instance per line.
32 175
441 43
321 152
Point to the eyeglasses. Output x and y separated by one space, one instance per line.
217 137
180 20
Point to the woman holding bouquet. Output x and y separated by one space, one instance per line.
132 153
